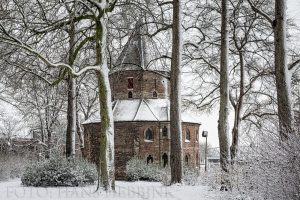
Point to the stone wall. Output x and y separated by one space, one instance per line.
144 84
130 141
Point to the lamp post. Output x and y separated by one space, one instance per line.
204 134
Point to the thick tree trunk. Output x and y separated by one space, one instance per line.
224 100
283 84
106 154
71 127
71 110
175 97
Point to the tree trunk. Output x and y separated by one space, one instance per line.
283 84
224 100
175 97
49 144
79 131
40 116
237 112
106 154
49 131
71 127
71 110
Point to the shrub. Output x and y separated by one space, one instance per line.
137 169
59 172
191 175
12 166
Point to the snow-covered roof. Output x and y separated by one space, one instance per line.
145 110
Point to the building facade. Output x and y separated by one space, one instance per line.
141 109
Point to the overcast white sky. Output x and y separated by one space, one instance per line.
209 123
294 10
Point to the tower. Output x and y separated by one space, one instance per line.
141 113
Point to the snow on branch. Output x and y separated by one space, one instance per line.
28 71
294 66
255 9
16 42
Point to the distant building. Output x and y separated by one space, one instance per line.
141 109
21 146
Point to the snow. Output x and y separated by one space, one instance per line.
13 190
145 110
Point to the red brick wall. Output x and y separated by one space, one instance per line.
129 141
143 84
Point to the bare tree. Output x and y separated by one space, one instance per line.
282 73
95 14
175 97
224 100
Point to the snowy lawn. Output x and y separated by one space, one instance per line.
124 190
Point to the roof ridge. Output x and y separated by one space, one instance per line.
151 110
137 111
114 108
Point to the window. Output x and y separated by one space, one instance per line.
165 159
197 135
187 135
129 95
165 131
186 159
130 83
149 134
154 94
154 83
197 160
149 159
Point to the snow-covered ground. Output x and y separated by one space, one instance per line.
13 190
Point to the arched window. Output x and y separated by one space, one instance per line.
149 159
129 95
186 159
187 135
165 131
149 134
165 159
154 94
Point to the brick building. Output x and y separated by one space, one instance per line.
141 110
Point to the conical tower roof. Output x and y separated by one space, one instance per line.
133 55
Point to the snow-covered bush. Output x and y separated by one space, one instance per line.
212 177
12 166
191 175
59 171
274 173
137 169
